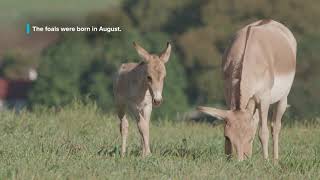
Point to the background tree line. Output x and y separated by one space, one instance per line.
81 65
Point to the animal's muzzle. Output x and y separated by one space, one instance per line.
156 102
156 97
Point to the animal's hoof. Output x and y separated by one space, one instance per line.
145 155
122 155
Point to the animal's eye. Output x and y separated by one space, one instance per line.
149 79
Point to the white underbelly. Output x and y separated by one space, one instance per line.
281 87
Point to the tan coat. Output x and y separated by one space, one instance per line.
137 87
258 70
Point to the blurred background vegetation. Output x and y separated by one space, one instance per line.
81 65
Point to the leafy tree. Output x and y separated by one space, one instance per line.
60 71
83 65
15 65
78 67
152 16
305 98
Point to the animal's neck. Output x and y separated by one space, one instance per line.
234 64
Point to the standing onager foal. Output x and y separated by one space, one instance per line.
258 70
138 86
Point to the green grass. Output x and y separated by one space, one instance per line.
79 142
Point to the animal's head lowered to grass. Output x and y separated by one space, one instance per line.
155 71
239 130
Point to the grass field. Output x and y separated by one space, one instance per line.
79 142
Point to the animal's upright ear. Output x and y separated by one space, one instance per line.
218 113
142 52
165 55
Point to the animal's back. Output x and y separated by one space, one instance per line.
121 79
284 63
263 57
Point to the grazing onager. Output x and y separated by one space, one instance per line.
258 70
138 86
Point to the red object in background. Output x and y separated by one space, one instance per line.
14 89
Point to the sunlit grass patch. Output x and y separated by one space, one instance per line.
81 142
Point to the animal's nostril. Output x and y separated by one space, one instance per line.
157 102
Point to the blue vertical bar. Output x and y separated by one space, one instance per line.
28 28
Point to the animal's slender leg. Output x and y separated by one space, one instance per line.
276 125
264 132
124 125
255 123
146 114
227 148
143 127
